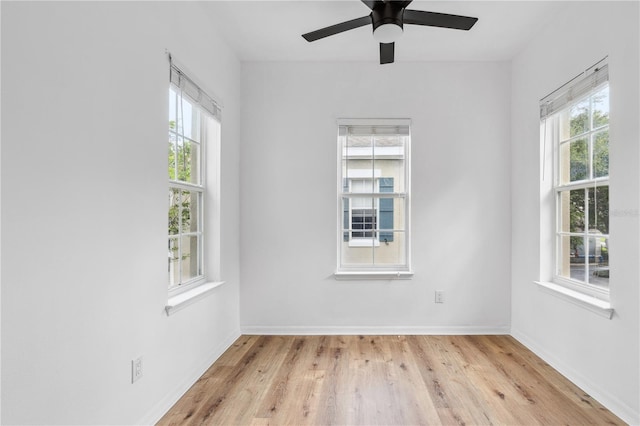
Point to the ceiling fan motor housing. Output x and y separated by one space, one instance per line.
387 13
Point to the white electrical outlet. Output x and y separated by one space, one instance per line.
439 296
136 369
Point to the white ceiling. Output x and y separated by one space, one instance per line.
268 30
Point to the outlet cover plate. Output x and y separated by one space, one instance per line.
136 369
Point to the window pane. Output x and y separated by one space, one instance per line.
172 155
362 186
574 161
579 118
361 255
189 263
187 161
399 214
389 160
601 154
174 211
600 108
345 218
194 173
174 265
357 159
599 266
572 210
571 258
188 120
389 145
358 147
192 127
172 108
391 253
190 204
577 210
362 203
359 168
599 210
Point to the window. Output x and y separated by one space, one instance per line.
194 128
575 121
373 198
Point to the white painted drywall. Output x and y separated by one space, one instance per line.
84 116
598 354
460 202
83 119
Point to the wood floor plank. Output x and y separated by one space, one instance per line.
454 383
383 380
554 386
332 401
381 391
409 389
494 389
253 387
291 397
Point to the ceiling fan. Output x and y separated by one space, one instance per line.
388 18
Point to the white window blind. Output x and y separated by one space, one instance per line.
576 88
191 89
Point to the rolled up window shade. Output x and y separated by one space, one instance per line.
575 89
373 127
193 91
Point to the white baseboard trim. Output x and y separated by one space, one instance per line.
601 395
163 406
372 330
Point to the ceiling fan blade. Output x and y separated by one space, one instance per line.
386 53
338 28
434 19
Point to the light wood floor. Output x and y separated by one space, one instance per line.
384 380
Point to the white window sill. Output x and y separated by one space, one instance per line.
182 300
593 304
373 275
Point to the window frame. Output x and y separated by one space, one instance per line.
207 189
373 271
553 107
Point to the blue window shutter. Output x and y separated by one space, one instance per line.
345 213
386 210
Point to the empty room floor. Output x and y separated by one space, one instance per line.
384 380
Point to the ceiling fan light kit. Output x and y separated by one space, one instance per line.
387 33
387 18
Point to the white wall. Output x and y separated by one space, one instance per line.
598 354
84 196
83 135
461 197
